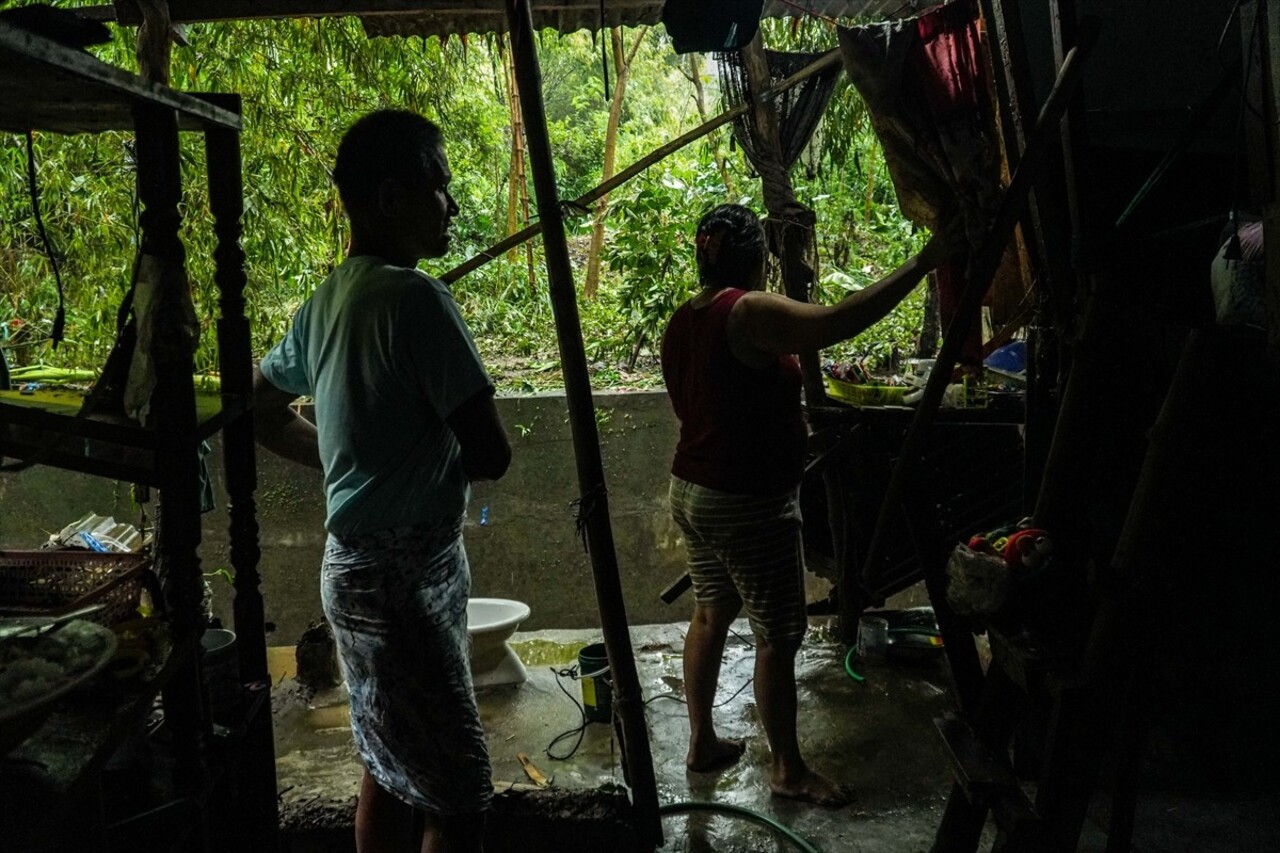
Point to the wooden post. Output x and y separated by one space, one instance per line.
1066 35
1045 226
173 418
257 788
154 44
1271 212
593 508
173 404
981 268
518 189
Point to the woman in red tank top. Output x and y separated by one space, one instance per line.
734 382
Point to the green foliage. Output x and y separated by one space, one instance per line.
650 248
304 81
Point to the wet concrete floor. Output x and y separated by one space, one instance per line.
877 735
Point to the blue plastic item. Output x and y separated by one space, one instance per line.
1011 358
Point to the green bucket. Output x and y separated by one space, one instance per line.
597 689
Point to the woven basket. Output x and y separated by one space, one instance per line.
50 583
865 395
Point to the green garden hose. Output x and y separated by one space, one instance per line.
739 811
848 667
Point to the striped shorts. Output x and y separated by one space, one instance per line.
397 602
745 549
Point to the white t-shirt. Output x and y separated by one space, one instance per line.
387 357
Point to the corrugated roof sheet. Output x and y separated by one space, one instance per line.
566 16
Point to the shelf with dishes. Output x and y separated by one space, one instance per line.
45 85
47 426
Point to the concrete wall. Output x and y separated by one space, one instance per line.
526 548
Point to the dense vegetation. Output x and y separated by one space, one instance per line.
303 83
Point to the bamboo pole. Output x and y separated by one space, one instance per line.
1270 27
981 269
593 508
1052 319
583 201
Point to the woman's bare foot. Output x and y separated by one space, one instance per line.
814 788
722 753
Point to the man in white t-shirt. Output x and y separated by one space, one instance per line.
405 420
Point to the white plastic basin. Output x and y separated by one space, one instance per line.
490 623
491 615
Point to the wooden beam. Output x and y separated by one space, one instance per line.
981 269
1045 228
593 501
1271 211
192 11
662 152
634 12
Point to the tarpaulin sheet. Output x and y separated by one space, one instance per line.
927 86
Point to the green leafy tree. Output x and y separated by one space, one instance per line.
304 81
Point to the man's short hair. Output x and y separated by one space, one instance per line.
385 144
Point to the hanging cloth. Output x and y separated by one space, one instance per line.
798 109
796 113
927 86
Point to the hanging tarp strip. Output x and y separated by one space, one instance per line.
927 85
796 113
798 109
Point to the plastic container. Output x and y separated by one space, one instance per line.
100 533
221 670
597 685
873 639
865 395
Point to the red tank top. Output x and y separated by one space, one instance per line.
741 428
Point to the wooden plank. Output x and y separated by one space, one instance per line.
1271 211
662 152
51 87
981 268
190 11
577 14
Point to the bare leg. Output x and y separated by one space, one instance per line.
384 824
703 649
775 688
453 833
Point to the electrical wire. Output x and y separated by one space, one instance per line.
738 811
680 807
605 38
33 188
744 640
581 729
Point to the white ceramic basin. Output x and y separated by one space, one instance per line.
490 623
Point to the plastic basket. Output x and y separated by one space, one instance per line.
50 583
865 395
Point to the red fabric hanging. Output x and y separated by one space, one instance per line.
927 87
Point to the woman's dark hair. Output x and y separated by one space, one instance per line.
730 246
385 144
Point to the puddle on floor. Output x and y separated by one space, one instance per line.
540 652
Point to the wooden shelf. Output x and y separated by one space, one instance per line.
45 775
53 788
44 426
48 86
